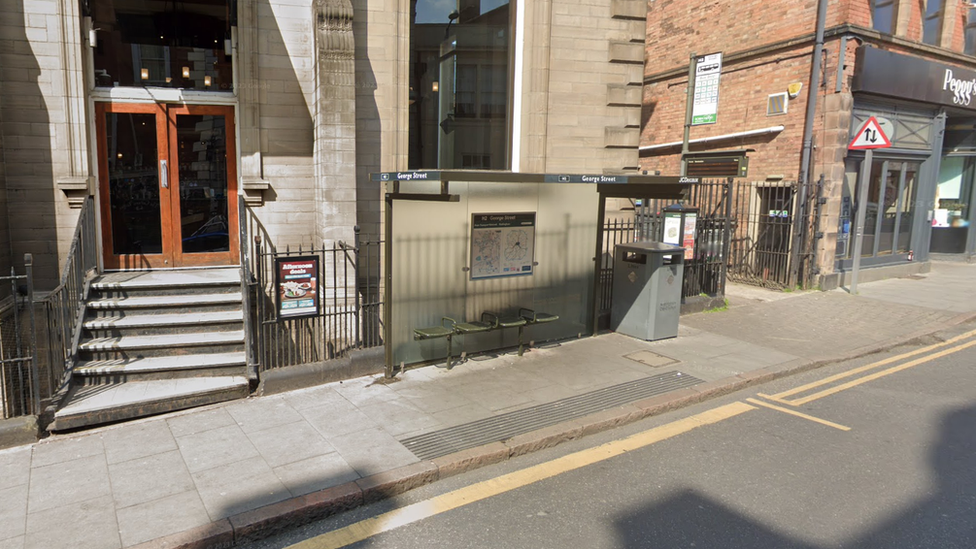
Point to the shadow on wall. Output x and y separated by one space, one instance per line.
285 126
369 125
944 520
32 197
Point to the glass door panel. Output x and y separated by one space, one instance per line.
168 185
202 151
133 180
906 207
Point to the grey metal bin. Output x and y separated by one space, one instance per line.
647 289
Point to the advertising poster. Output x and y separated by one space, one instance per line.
502 244
688 240
296 279
672 226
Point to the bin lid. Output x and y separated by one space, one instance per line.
650 247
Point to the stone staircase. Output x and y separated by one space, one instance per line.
154 342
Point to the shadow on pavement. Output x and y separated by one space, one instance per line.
947 520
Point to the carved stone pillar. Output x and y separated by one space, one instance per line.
335 119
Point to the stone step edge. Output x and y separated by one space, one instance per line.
153 364
165 301
156 341
233 384
148 320
147 285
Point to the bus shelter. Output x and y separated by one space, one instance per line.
468 247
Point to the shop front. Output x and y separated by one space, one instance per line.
921 188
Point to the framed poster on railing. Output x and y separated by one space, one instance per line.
297 286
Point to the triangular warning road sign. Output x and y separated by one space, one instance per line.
871 136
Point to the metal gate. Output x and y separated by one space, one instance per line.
775 228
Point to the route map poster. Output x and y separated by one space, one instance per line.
296 279
502 244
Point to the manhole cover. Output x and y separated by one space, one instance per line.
651 359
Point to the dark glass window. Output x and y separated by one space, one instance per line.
883 15
460 84
970 47
932 26
165 44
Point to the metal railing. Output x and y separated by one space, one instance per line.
773 238
64 307
704 273
19 380
350 304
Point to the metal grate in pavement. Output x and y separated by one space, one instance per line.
504 426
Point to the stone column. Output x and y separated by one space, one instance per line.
334 120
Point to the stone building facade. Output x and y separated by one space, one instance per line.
888 59
304 98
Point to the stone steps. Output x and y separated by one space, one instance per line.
154 342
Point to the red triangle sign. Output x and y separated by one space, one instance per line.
871 136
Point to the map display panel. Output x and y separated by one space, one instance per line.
502 244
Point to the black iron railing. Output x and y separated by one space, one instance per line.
774 233
19 379
350 305
64 307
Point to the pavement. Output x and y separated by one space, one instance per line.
232 472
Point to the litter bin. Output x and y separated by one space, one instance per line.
647 289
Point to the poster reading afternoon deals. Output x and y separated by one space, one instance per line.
296 279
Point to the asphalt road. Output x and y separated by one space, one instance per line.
881 458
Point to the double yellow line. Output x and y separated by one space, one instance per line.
467 495
947 347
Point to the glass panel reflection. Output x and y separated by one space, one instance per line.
166 44
201 140
133 178
459 84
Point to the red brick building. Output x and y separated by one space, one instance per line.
909 63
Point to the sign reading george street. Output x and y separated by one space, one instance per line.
871 136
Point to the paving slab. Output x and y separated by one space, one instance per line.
267 462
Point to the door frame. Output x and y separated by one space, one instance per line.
172 255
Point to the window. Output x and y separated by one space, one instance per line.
165 44
970 47
932 25
883 15
460 98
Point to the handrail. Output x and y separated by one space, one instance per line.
65 304
247 280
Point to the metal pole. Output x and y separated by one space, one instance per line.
727 233
864 181
36 381
598 263
800 213
689 111
387 291
355 231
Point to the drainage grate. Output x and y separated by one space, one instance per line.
507 425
